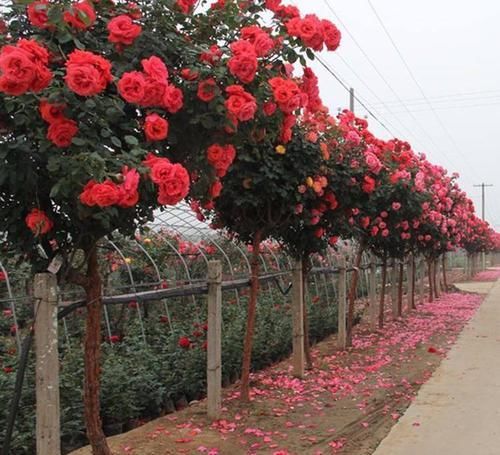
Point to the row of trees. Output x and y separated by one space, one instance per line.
111 110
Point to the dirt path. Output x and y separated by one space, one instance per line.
347 404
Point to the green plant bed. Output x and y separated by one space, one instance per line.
145 376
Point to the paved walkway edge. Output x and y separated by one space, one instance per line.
457 412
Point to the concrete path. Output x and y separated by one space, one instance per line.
458 411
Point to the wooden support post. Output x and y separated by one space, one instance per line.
48 430
422 281
372 292
298 359
342 307
214 337
394 289
410 283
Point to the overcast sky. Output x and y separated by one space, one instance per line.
452 49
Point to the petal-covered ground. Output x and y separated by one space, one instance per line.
488 275
347 404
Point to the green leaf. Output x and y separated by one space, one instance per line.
131 140
116 141
79 141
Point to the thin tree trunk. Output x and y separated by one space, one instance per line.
251 315
414 282
307 345
92 347
352 294
382 294
435 278
431 289
400 288
445 279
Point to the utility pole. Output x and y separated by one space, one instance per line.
483 186
351 99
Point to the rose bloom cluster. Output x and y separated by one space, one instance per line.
150 87
61 129
79 15
109 193
171 179
314 32
24 68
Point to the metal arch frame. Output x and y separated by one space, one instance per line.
157 270
12 306
205 238
132 283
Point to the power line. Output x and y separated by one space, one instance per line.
440 99
370 61
348 90
447 108
421 90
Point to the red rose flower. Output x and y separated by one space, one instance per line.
61 132
287 94
154 91
81 15
51 112
37 14
185 5
38 222
172 179
368 184
155 68
184 342
331 34
240 104
87 74
215 189
212 56
129 196
221 157
101 194
260 39
23 68
207 90
189 75
175 187
173 99
243 64
131 87
269 108
156 128
122 30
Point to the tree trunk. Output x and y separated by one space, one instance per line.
435 278
307 345
92 346
445 279
400 288
352 294
382 294
431 288
251 315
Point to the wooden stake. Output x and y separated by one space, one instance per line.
373 294
342 328
47 366
298 359
214 340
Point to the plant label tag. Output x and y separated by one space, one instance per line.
56 264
